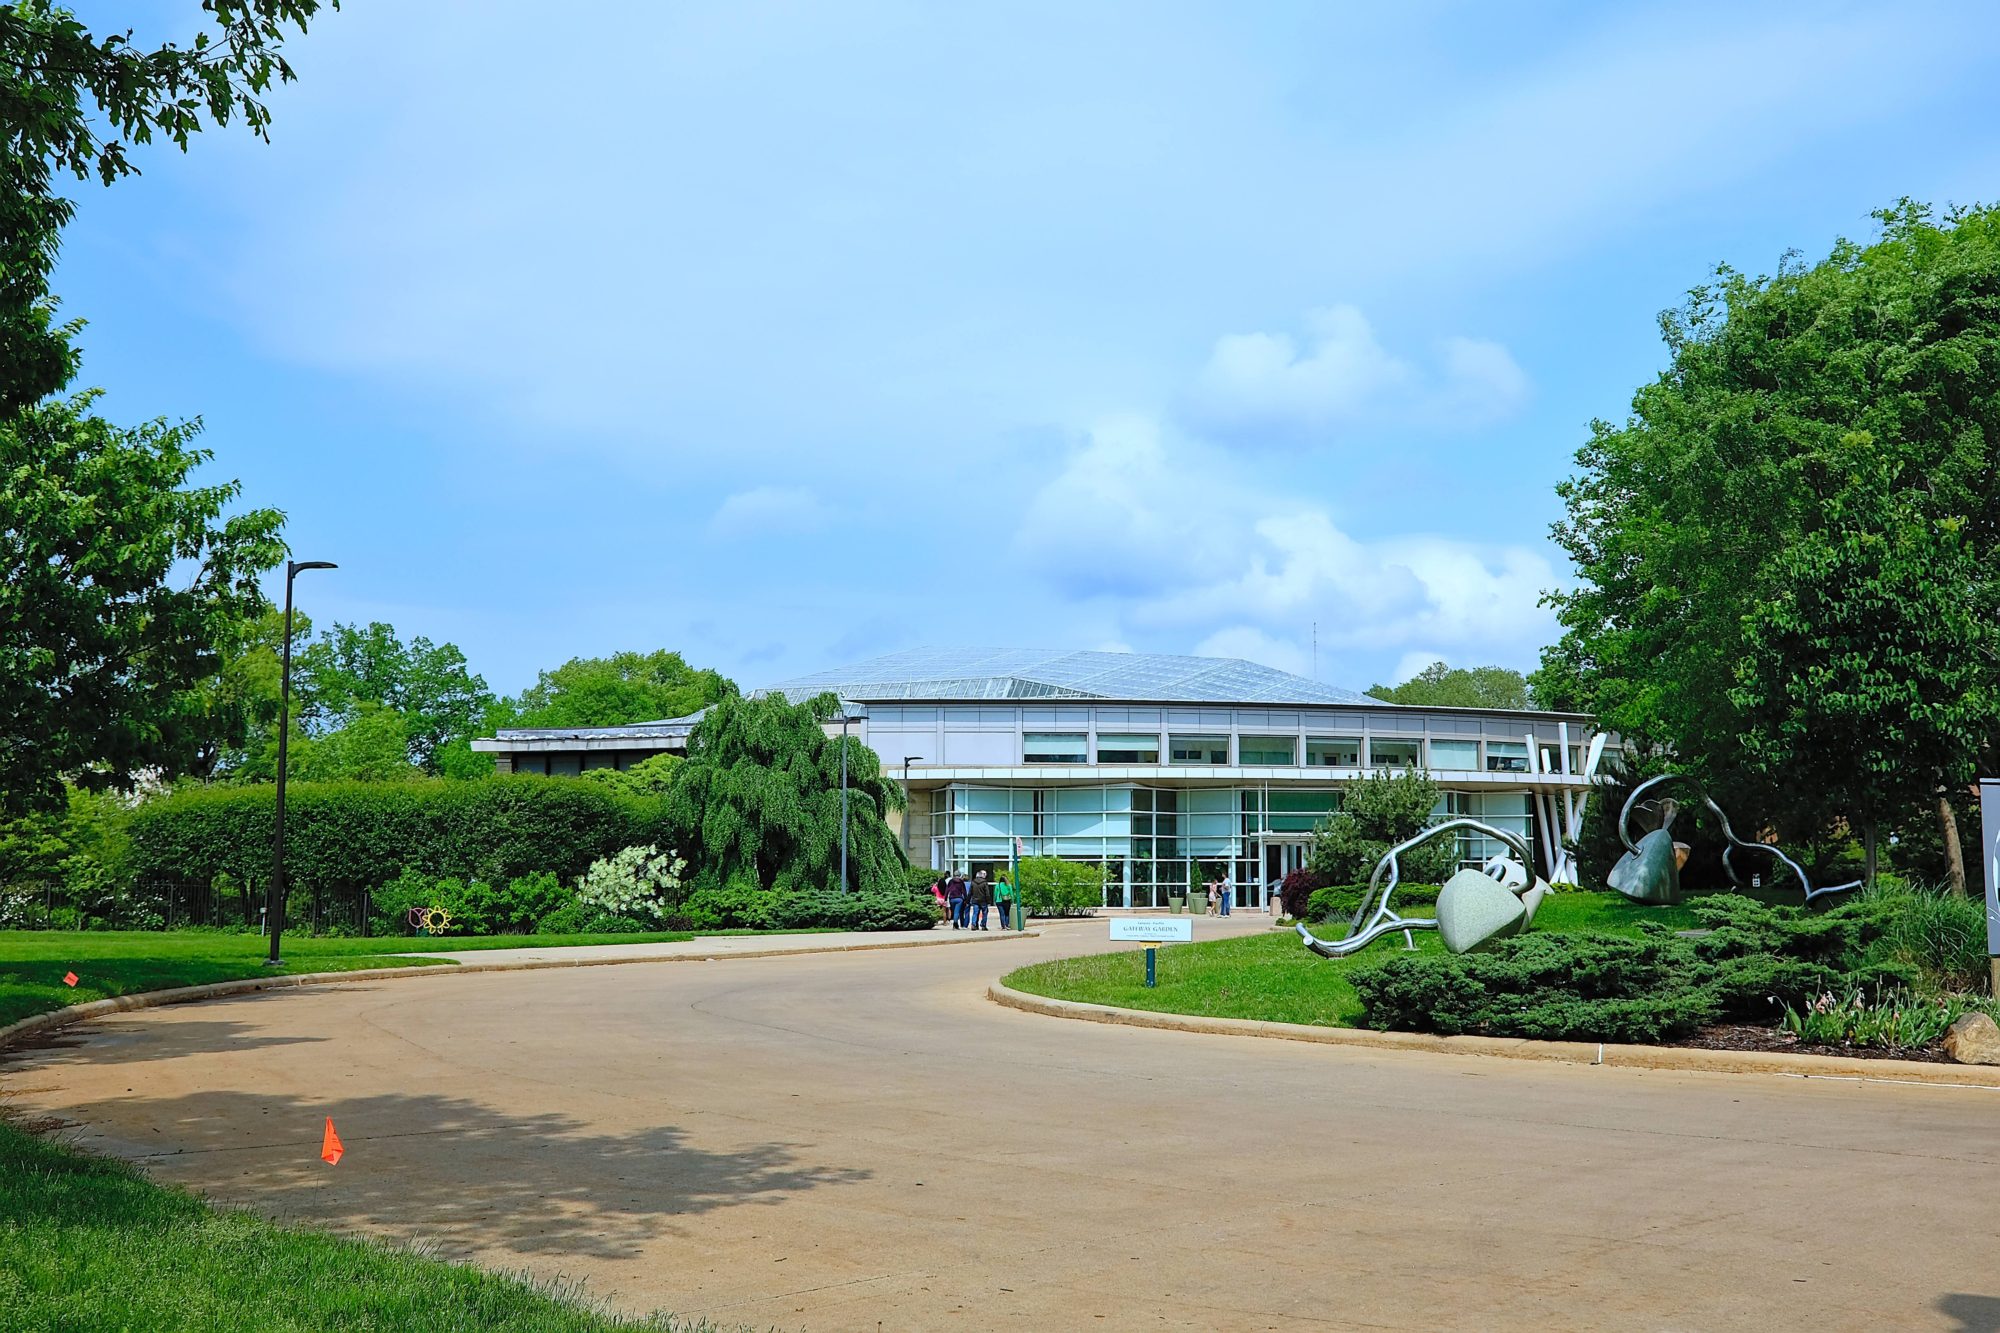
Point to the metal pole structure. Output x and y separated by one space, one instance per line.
1019 909
908 832
274 897
843 796
1989 855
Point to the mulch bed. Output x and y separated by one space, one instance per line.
1753 1037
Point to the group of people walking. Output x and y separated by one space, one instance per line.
969 903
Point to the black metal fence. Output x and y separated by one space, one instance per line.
176 905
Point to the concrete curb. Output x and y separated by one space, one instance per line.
1672 1058
154 999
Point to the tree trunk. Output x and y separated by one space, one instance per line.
1954 854
1869 859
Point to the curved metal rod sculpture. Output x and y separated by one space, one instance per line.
1648 872
1384 921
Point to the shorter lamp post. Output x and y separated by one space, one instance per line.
908 759
274 899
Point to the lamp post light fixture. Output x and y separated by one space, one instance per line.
274 899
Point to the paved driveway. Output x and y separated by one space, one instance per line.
862 1141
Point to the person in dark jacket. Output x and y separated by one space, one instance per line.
954 897
982 901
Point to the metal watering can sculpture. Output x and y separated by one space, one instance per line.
1474 908
1650 870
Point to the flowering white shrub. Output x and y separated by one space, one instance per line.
642 882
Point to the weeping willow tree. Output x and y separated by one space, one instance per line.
759 792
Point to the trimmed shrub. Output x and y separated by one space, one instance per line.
354 836
1339 902
1657 987
577 918
734 906
413 890
1051 886
742 906
1295 893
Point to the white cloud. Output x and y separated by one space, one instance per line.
1163 527
766 510
1271 385
1268 378
1118 517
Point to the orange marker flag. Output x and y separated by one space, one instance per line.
329 1146
69 978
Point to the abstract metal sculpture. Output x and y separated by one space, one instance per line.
1474 908
1650 870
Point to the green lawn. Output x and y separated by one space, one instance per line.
1272 976
89 1246
120 962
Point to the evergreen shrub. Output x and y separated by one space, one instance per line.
1756 960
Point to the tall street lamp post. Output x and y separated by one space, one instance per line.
274 898
845 717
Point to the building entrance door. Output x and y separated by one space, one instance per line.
1280 860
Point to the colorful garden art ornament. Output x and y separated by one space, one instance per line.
1474 908
1650 870
430 920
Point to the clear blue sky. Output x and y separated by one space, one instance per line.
784 335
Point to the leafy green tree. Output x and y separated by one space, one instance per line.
101 663
119 579
1441 686
236 706
758 797
1786 552
372 745
349 668
73 102
652 776
619 691
1375 814
1870 664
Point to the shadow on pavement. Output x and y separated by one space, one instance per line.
448 1172
106 1042
1975 1314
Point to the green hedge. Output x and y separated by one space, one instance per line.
743 907
1339 902
347 837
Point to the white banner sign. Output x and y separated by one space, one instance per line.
1989 856
1152 929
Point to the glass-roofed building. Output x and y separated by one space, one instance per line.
1144 764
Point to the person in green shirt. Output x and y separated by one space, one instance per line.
1003 895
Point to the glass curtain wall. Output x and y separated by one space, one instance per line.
1152 843
1509 810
